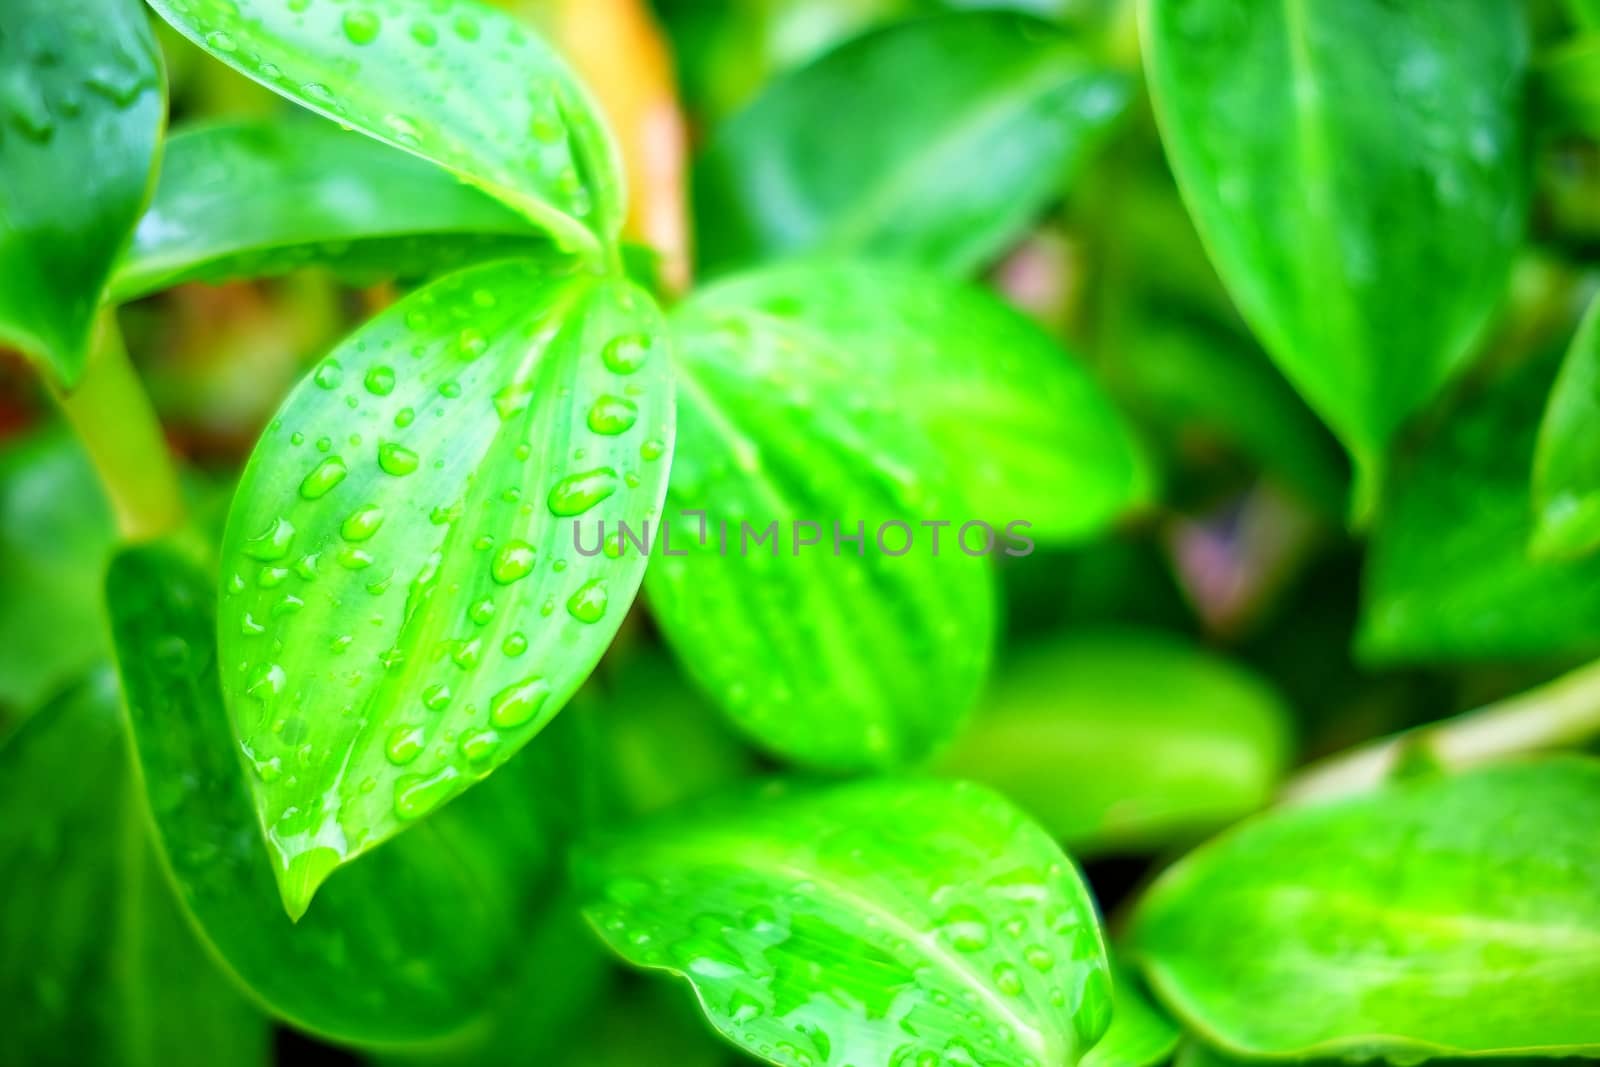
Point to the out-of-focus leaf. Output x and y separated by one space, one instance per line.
1565 88
97 965
663 742
935 140
870 923
1124 740
1566 460
644 1025
1027 433
414 943
836 654
55 536
1449 576
1356 170
82 106
1450 916
1140 1034
405 600
253 199
452 81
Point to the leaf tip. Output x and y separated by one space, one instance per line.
301 876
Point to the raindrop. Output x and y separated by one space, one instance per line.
626 353
271 544
396 459
361 26
380 380
328 374
578 493
518 703
404 745
322 478
512 562
612 415
415 795
362 523
588 604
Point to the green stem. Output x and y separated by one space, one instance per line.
112 416
1558 714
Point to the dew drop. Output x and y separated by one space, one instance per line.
415 795
380 380
361 27
479 745
626 353
966 928
328 374
396 459
435 697
513 562
362 523
271 544
577 493
515 645
588 604
322 478
404 745
652 449
612 415
516 704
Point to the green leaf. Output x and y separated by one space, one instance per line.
412 944
839 654
405 603
1126 740
1565 87
55 537
935 140
258 198
1453 916
452 81
1140 1034
82 104
97 965
1356 170
1449 576
1025 430
1566 460
880 922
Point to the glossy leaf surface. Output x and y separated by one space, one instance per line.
413 943
1025 430
934 140
257 198
1449 576
1566 460
453 81
1452 916
55 536
834 654
1125 740
404 604
1356 170
1140 1034
870 923
94 945
82 104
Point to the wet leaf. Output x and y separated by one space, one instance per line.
404 602
1125 740
879 922
798 581
935 140
1356 170
452 81
412 944
1452 916
258 198
1024 429
1566 460
55 537
82 105
92 941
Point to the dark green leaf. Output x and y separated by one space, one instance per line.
1452 916
412 944
453 81
81 109
837 654
1126 740
405 602
1449 576
935 140
258 198
1566 461
1141 1034
1357 172
97 965
1566 88
55 537
882 922
1026 431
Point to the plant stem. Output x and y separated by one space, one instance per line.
112 416
1559 713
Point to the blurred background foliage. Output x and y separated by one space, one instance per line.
1231 631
